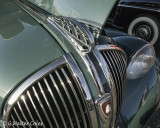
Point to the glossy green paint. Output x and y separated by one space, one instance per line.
151 100
1 125
24 46
66 45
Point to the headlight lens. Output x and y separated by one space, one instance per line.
141 62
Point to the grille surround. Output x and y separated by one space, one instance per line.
109 74
71 64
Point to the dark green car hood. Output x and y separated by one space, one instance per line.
25 46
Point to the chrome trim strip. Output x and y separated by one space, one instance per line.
43 108
74 92
61 97
95 77
84 88
48 104
71 37
35 108
55 102
28 110
69 97
14 120
107 72
66 59
20 120
20 108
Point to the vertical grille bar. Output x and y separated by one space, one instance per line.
114 76
26 120
116 69
13 120
48 104
55 101
28 110
19 118
75 94
57 97
61 97
69 98
29 95
44 111
116 63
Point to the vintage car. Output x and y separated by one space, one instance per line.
139 18
60 69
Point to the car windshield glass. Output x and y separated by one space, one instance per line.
93 12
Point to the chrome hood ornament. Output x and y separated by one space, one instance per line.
78 34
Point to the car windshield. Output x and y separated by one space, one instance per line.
92 12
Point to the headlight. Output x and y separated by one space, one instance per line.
141 62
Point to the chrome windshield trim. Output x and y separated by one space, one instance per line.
78 75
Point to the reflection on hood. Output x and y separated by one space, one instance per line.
11 20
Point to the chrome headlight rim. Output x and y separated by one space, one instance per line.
135 58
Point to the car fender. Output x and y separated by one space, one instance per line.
129 44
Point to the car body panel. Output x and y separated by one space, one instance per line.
34 43
141 96
30 47
66 45
24 46
127 43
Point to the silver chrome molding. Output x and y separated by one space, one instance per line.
108 75
68 37
73 67
95 76
82 46
83 54
102 62
77 43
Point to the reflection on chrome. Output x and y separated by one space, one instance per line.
19 95
80 37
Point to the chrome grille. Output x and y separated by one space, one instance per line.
55 100
116 63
